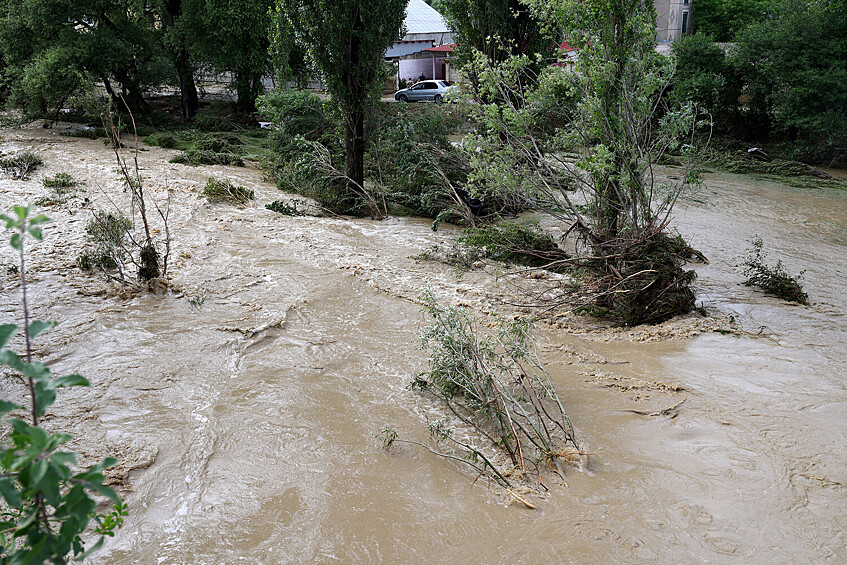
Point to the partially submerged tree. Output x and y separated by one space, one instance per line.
346 42
611 115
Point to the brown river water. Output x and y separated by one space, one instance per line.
245 425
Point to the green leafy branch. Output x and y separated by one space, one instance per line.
45 506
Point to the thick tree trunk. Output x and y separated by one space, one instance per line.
187 89
355 150
247 88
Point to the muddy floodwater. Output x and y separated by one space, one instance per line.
243 403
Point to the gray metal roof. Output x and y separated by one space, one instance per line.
421 18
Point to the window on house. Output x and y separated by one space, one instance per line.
685 22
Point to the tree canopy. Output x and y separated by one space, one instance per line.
345 41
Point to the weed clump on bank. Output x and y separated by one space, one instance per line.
217 190
774 281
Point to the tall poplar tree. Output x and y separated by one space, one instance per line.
346 41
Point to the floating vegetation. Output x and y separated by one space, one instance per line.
217 190
774 281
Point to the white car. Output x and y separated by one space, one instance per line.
431 90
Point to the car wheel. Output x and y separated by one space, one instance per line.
404 98
438 99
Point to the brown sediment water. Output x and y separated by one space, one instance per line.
245 421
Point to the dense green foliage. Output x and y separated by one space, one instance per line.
705 75
345 41
784 78
48 503
232 37
520 243
794 65
721 20
498 29
55 50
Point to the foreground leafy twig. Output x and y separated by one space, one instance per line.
47 507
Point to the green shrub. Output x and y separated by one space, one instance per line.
60 180
211 122
296 112
195 157
217 190
774 281
63 187
19 166
164 139
285 208
107 233
495 385
523 244
48 500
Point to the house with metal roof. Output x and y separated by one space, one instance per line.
425 28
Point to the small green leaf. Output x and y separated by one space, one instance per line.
11 359
70 380
9 492
64 458
37 472
6 333
6 406
36 233
103 489
37 327
10 222
21 211
45 395
39 219
36 370
15 241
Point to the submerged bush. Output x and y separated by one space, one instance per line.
523 244
285 208
217 190
195 157
650 285
60 180
108 234
19 166
774 281
495 386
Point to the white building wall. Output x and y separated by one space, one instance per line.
413 67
